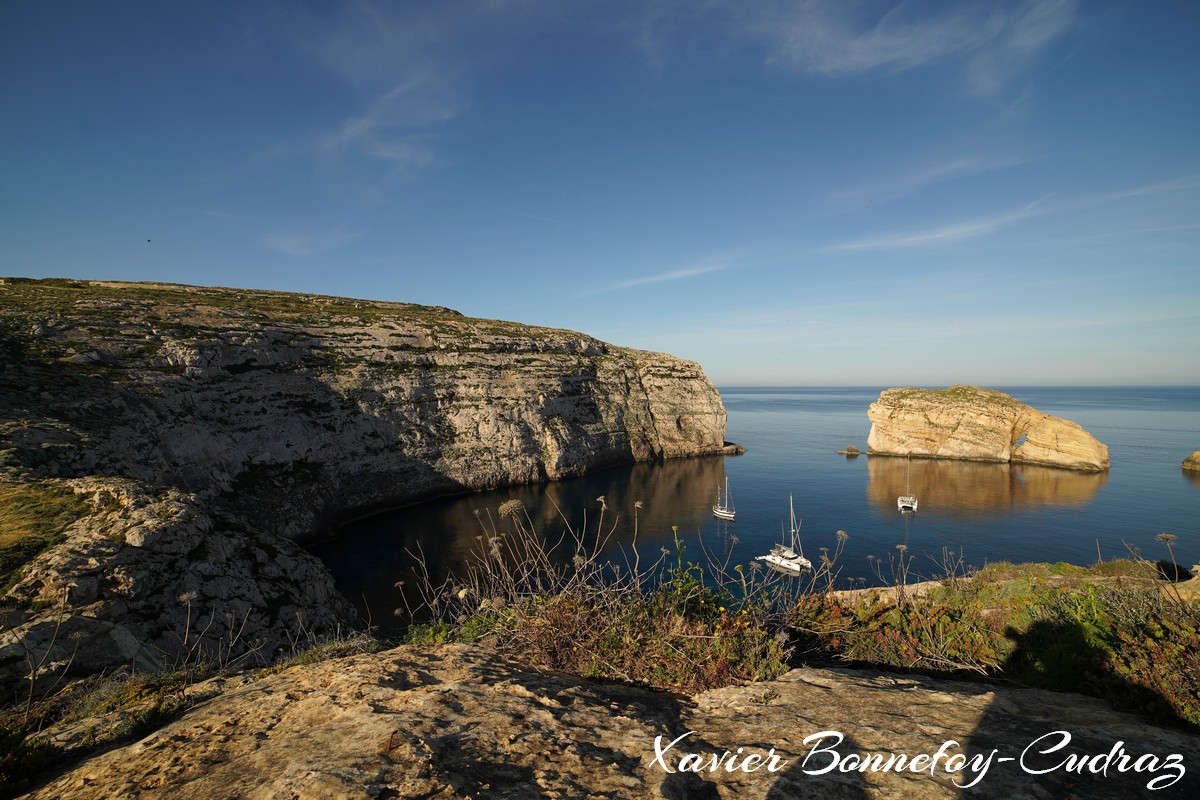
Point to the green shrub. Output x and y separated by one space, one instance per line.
22 759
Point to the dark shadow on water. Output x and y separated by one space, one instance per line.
370 556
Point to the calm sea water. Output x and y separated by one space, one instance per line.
980 512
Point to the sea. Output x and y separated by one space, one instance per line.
970 514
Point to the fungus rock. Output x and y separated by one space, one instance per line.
967 422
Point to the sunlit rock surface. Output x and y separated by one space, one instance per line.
967 422
457 722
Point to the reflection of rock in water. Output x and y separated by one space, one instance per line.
969 488
452 532
1192 476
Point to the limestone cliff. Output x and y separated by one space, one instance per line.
1192 462
977 424
213 429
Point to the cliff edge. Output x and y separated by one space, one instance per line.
968 422
211 431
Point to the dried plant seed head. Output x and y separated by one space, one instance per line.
511 508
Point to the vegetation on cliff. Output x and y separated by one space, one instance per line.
1116 630
690 624
33 516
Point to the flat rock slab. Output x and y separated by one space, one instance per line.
463 722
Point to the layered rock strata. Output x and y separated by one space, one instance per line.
459 722
967 422
215 430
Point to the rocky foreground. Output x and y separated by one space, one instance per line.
462 722
967 422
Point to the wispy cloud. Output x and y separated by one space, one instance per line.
1026 33
981 226
401 77
294 243
1177 184
836 39
996 40
683 273
945 234
921 176
395 126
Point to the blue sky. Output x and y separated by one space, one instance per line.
790 193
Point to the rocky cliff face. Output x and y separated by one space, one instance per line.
967 422
1192 462
214 429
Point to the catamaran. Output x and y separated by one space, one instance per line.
907 502
788 559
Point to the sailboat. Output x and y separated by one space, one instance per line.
788 559
907 502
723 508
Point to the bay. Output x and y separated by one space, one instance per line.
972 513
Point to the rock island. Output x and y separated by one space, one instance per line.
968 422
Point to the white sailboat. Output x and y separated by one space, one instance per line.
723 508
907 502
788 558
